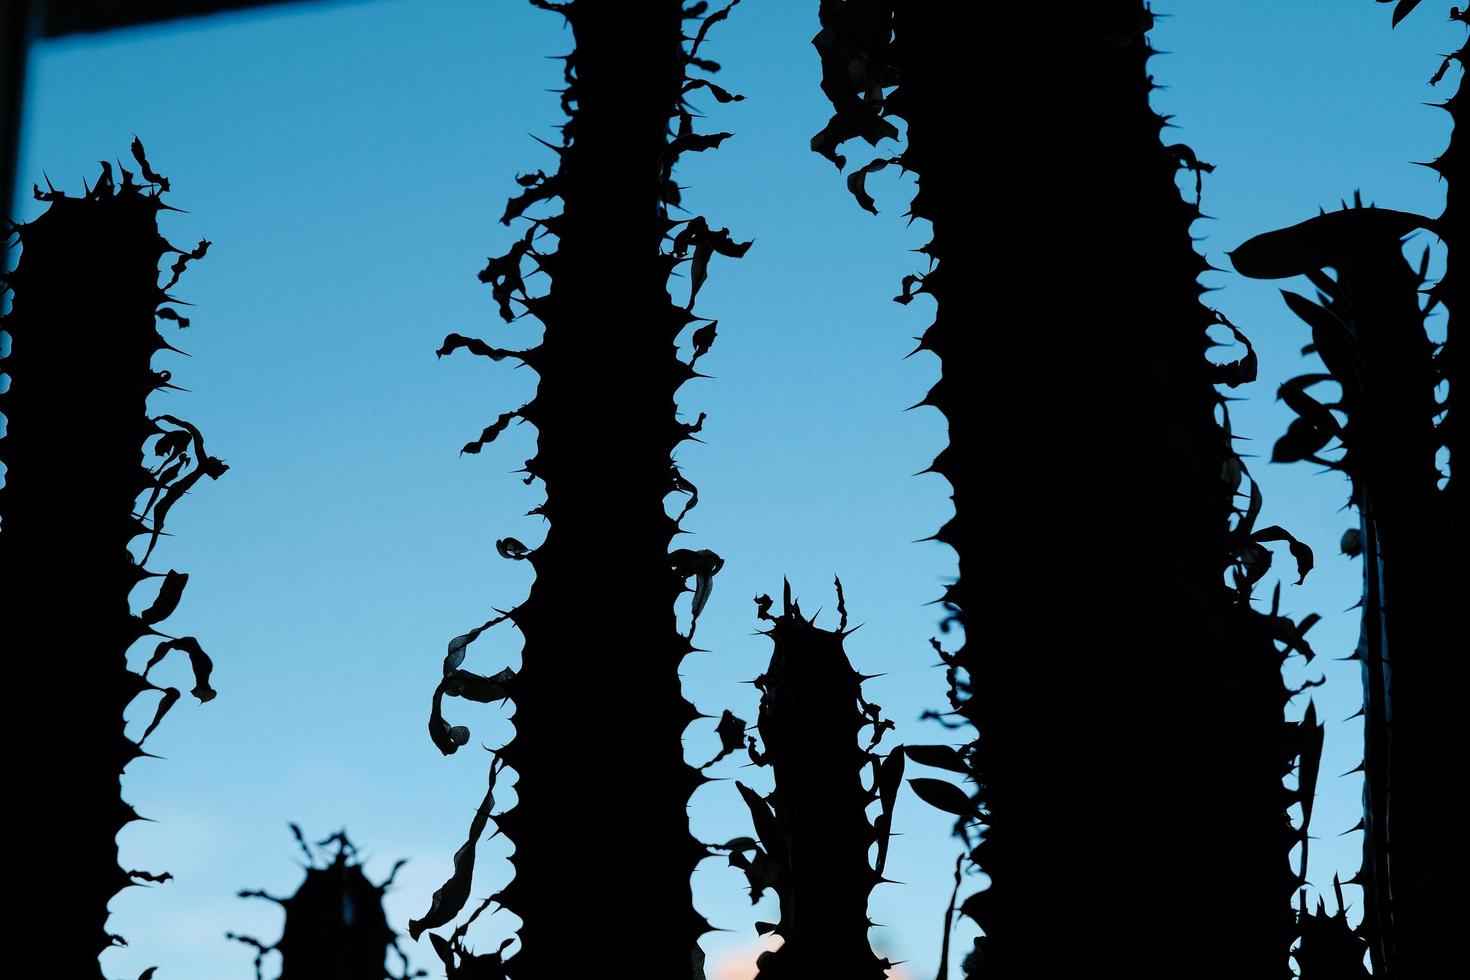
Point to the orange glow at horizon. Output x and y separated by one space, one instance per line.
741 964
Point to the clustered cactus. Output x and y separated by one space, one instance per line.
813 830
335 925
602 644
78 493
1123 732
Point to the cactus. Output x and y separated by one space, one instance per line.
77 493
1330 948
335 926
813 829
462 963
607 426
1120 340
1368 328
1450 289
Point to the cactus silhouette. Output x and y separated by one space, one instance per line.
1368 328
77 495
335 926
607 425
1112 343
1330 948
813 830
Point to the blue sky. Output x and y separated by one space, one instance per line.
349 163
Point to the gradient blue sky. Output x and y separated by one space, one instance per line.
350 161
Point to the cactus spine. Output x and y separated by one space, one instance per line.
607 426
77 493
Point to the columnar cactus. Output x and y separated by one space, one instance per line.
78 493
335 925
602 645
1368 328
813 830
1075 726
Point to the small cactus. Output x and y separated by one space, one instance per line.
335 925
813 829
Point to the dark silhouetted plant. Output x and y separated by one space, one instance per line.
335 925
1450 289
82 335
813 830
1330 949
602 645
1368 328
1125 695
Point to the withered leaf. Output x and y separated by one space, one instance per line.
1301 552
943 796
450 898
169 595
198 660
938 757
512 548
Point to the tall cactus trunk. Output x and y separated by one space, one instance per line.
1369 329
1435 893
599 624
1118 484
1181 494
605 417
602 646
931 70
80 369
813 827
